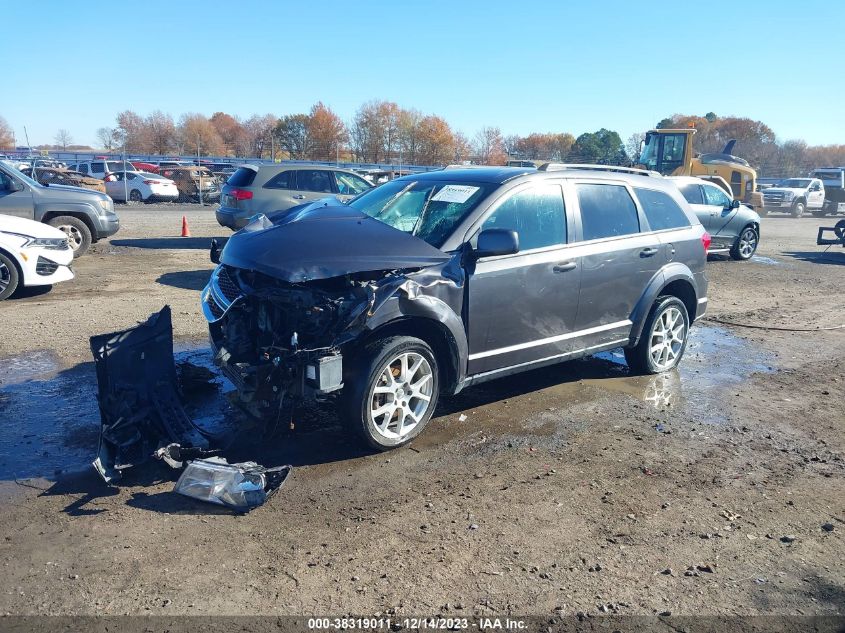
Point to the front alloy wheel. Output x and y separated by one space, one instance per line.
391 389
746 244
401 396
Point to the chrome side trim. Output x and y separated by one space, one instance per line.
608 345
551 339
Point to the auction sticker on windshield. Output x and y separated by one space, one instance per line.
454 193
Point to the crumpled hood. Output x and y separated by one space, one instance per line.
324 242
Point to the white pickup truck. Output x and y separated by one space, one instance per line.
833 179
794 196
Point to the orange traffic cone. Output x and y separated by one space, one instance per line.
186 232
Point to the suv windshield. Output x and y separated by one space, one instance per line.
427 209
795 183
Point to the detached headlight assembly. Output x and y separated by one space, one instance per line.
240 487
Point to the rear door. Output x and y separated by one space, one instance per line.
522 307
617 259
14 202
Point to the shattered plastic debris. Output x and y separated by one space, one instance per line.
462 417
240 487
140 408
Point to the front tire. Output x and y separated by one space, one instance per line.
746 244
664 338
135 196
78 233
9 277
798 209
391 392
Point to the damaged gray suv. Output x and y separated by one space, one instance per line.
434 282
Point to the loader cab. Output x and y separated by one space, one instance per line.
668 152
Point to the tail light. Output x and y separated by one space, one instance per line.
151 182
243 194
705 240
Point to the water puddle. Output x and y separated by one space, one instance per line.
767 261
50 419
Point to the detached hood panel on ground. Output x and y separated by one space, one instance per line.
325 242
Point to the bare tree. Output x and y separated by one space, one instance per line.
7 137
633 144
108 138
63 138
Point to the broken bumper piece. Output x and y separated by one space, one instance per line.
140 407
240 487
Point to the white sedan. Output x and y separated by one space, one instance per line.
31 254
140 186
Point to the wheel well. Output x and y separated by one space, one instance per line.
684 291
797 200
79 216
15 262
435 334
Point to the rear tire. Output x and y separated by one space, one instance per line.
9 277
663 340
798 209
746 244
78 233
388 401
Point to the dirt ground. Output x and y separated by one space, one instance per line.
719 489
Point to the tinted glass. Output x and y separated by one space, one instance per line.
242 177
428 209
282 180
96 167
536 214
661 211
607 211
692 193
715 196
350 185
314 180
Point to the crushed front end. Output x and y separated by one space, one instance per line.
274 339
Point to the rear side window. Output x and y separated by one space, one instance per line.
96 167
692 193
606 211
536 214
661 211
314 180
282 180
242 177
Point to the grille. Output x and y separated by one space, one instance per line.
228 287
216 310
45 266
773 197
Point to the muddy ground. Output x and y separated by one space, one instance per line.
719 489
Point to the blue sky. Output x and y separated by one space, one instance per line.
522 66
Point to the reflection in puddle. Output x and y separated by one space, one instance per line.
50 420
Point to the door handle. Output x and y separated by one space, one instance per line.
564 267
648 252
299 197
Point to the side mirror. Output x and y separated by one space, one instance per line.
734 204
493 242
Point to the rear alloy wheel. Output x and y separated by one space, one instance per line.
78 233
664 338
393 392
798 209
746 244
135 196
9 278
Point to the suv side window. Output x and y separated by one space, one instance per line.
536 214
692 193
715 196
314 180
96 168
661 211
282 180
606 211
347 184
82 168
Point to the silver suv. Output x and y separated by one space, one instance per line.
435 282
269 188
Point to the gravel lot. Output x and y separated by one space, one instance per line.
716 490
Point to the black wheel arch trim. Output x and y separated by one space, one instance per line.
675 273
